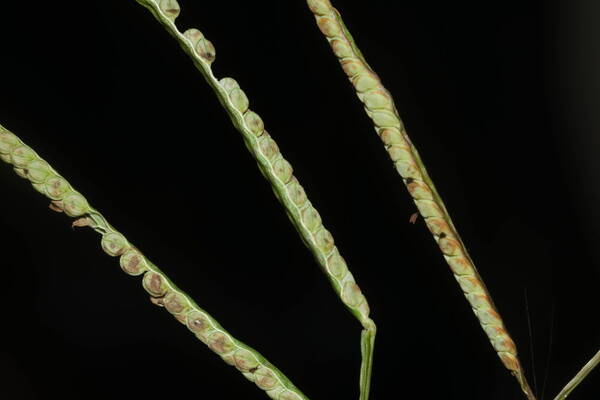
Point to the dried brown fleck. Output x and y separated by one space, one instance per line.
81 222
413 217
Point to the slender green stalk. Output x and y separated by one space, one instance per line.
587 368
379 106
278 172
163 292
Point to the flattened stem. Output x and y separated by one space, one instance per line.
379 106
29 165
577 379
367 344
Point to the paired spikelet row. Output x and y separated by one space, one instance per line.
276 169
163 292
380 107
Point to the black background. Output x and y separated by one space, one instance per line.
500 97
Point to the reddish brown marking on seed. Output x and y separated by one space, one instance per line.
252 370
494 331
436 225
351 67
155 282
324 240
173 304
244 360
418 190
220 344
265 379
133 262
471 282
207 52
155 285
198 324
492 316
172 10
509 361
327 26
448 246
460 266
413 217
505 344
387 134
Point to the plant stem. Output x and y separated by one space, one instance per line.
367 343
587 368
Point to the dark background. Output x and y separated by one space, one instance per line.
500 97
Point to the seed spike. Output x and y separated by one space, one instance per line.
162 291
379 106
286 186
271 163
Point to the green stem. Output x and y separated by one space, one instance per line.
367 343
577 379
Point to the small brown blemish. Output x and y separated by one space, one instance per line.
252 370
449 246
155 283
173 304
442 235
409 180
198 324
413 218
133 263
219 344
265 379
